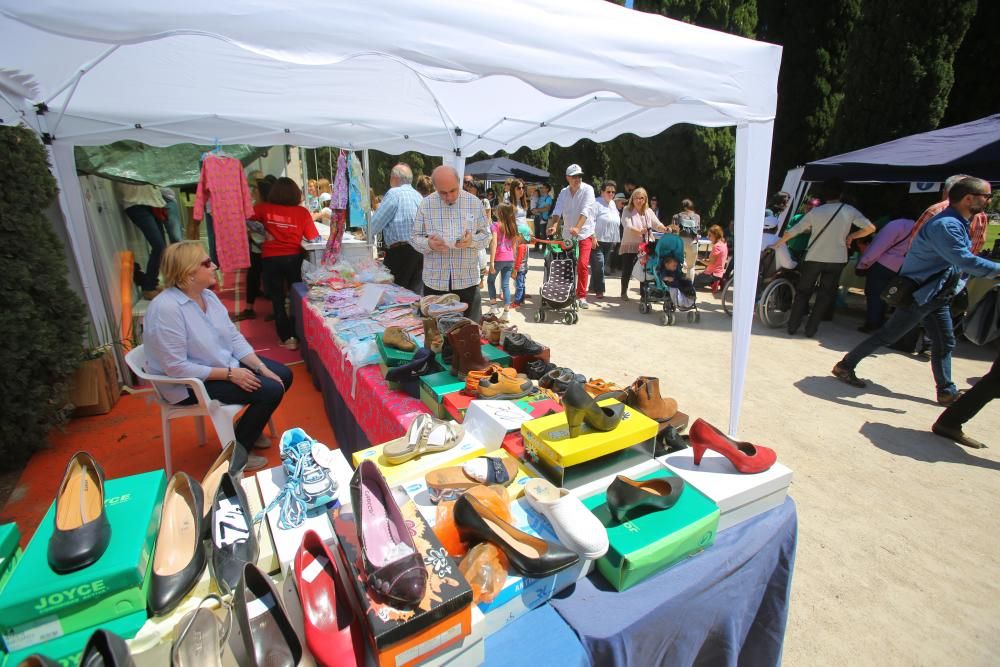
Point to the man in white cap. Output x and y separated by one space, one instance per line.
575 211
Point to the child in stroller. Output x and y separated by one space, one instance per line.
666 281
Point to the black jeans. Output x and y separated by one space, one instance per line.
279 274
969 404
876 280
828 275
628 263
469 296
705 280
253 279
406 266
142 217
260 403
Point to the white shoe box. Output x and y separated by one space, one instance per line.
738 496
287 541
489 421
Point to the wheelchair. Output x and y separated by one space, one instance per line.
774 294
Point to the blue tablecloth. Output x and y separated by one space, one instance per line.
540 638
725 606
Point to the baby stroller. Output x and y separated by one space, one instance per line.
675 297
558 292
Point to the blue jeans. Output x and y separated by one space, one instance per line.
503 269
875 282
598 260
519 279
142 217
936 316
173 223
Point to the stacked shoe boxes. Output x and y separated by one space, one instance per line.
10 551
401 637
433 389
571 462
739 497
652 542
39 605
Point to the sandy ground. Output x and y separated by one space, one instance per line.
898 528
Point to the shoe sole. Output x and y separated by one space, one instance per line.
507 397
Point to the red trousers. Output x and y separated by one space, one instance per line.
583 267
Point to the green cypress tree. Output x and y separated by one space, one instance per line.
976 93
43 319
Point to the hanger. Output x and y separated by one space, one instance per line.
217 151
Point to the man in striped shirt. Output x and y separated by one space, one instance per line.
449 230
977 226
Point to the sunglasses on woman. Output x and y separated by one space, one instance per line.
207 263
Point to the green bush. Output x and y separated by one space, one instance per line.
41 318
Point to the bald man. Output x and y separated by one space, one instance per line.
450 229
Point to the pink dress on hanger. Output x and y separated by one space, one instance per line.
223 183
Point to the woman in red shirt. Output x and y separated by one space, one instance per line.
286 224
716 266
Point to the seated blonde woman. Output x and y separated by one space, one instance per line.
188 333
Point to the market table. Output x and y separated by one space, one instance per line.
362 410
726 606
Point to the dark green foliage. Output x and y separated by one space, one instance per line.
976 92
900 70
42 326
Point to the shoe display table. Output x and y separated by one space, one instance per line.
360 406
726 606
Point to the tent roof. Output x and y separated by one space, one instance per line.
501 168
449 79
970 148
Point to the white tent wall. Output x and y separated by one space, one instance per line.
442 81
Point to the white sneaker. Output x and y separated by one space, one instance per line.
575 526
582 303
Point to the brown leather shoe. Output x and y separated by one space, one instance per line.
505 384
465 341
597 386
397 338
473 378
644 396
432 336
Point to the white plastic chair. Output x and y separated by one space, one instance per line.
221 414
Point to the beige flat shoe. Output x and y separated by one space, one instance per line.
426 435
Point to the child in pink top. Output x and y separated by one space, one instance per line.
502 251
717 259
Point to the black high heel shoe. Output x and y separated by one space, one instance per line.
580 406
625 495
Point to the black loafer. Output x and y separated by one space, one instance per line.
516 344
478 523
559 379
179 558
669 440
626 495
81 533
234 543
268 636
421 364
536 369
580 407
106 649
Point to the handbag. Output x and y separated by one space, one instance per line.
900 290
982 324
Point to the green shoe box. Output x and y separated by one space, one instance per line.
433 389
66 650
38 604
652 542
10 551
390 356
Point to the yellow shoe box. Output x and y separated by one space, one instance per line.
467 449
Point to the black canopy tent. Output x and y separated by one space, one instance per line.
970 148
502 168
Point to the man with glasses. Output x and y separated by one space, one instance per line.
575 210
607 232
935 264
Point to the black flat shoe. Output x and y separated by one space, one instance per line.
580 406
82 532
520 344
234 543
106 649
268 636
537 369
669 440
559 379
179 559
625 495
529 556
421 364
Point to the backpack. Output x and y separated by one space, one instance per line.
688 224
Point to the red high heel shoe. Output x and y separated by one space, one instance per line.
745 457
333 632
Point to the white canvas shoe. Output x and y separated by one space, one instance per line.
575 526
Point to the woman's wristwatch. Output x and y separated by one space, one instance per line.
260 369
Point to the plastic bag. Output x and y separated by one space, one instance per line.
486 571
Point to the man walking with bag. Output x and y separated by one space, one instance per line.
930 277
826 254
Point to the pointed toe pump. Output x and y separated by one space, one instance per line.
634 497
232 460
179 559
269 639
528 555
333 632
82 532
234 542
747 458
581 407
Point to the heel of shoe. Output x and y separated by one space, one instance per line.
574 419
699 451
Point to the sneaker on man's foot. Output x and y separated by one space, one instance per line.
847 375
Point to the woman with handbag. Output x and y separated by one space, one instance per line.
826 255
878 264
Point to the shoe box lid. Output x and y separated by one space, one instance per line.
442 618
489 421
437 385
548 437
649 543
114 586
729 489
466 449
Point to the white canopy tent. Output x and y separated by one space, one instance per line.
443 78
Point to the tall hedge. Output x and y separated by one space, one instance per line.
41 318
